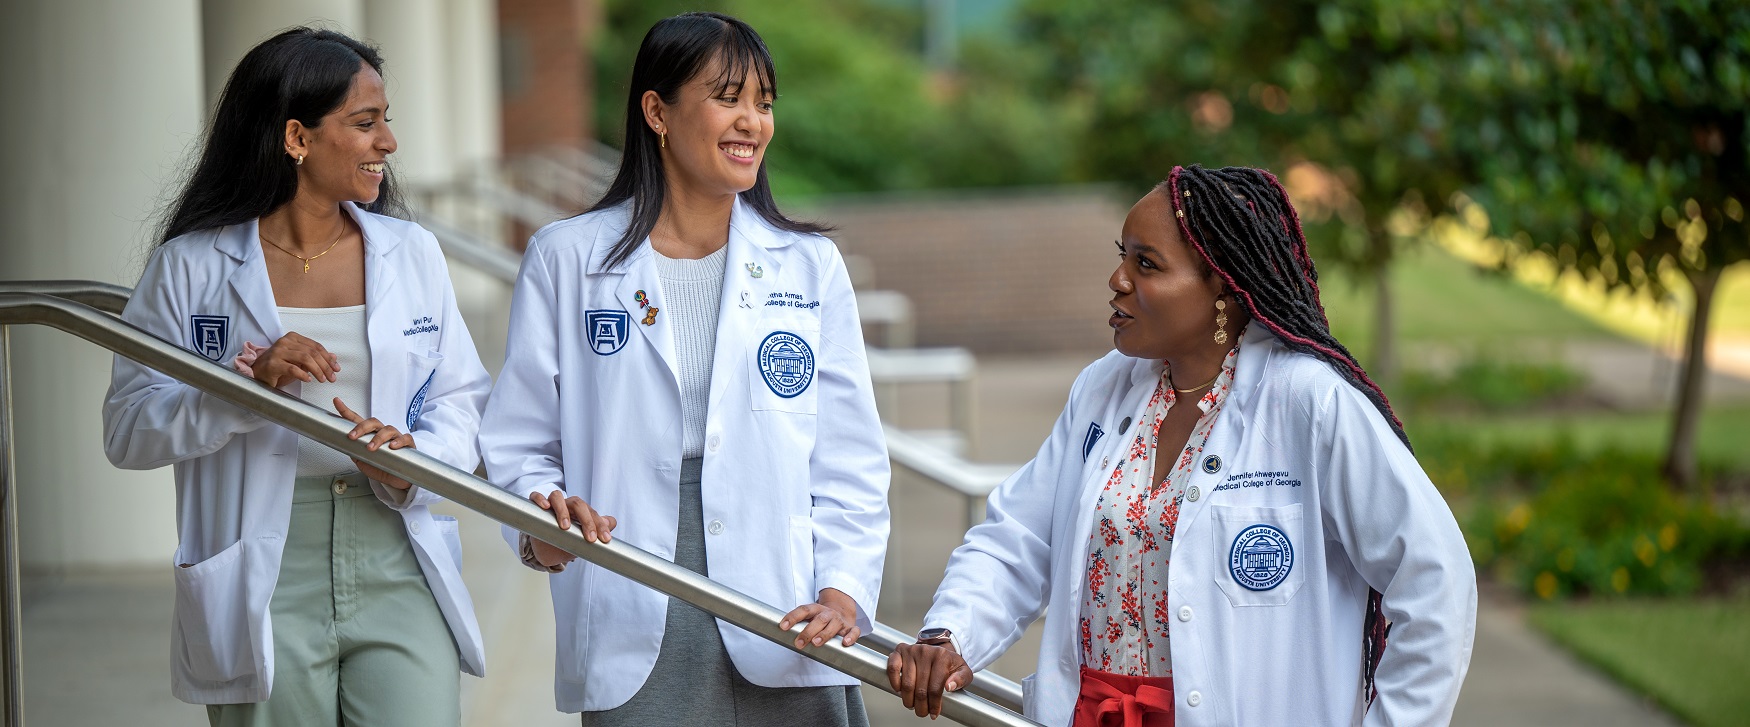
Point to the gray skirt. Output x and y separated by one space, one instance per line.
694 681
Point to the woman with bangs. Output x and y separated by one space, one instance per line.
689 361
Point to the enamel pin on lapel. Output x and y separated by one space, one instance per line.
650 315
754 270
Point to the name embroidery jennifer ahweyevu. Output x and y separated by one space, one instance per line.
1244 480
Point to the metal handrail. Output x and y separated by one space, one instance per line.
462 488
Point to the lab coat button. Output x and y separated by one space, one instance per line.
1194 698
1104 462
713 442
340 487
716 527
414 526
1184 613
1193 494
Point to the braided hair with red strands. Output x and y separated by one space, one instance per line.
1240 221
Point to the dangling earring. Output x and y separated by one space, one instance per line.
663 135
1220 322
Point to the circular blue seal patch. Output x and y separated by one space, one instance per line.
1212 464
787 363
1261 558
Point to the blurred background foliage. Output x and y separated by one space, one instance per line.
1604 140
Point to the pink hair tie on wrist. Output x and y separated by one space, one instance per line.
246 359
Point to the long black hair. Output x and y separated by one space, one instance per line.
244 172
1242 224
674 52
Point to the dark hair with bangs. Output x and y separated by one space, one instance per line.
244 172
675 51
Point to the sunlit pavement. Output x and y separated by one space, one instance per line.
97 644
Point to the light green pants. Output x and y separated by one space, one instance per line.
357 637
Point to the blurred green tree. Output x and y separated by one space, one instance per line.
1331 95
1612 140
859 108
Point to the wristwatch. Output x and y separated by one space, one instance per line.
939 637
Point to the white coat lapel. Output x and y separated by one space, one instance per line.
385 310
744 296
638 273
249 279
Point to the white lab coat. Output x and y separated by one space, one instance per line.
1297 449
208 291
795 468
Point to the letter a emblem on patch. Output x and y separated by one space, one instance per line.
210 336
606 330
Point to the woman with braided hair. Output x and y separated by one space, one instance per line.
1232 561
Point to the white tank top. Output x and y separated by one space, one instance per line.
342 332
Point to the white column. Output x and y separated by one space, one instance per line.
472 78
229 28
104 99
414 41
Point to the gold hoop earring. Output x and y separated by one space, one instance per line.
1220 322
663 135
299 162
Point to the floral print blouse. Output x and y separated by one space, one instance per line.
1124 613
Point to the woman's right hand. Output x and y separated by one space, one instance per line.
595 526
919 673
295 358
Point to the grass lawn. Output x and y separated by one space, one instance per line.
1689 655
1440 298
1721 441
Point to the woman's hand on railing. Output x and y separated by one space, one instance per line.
595 526
834 614
919 673
292 358
384 435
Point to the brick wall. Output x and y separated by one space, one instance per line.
1000 273
547 72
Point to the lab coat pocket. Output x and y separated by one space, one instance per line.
421 371
452 532
802 558
212 612
1255 553
784 362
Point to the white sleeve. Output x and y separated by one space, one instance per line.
149 419
848 470
519 433
1401 537
998 579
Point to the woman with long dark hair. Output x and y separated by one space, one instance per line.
311 588
687 360
1226 516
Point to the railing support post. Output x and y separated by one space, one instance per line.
11 623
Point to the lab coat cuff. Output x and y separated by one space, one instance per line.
396 499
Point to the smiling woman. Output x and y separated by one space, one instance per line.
310 588
689 360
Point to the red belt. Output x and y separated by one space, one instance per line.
1116 700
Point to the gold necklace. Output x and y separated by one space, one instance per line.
1194 388
306 260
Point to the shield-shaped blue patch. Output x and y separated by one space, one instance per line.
210 336
606 330
1090 439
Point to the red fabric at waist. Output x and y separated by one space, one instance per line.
1116 700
